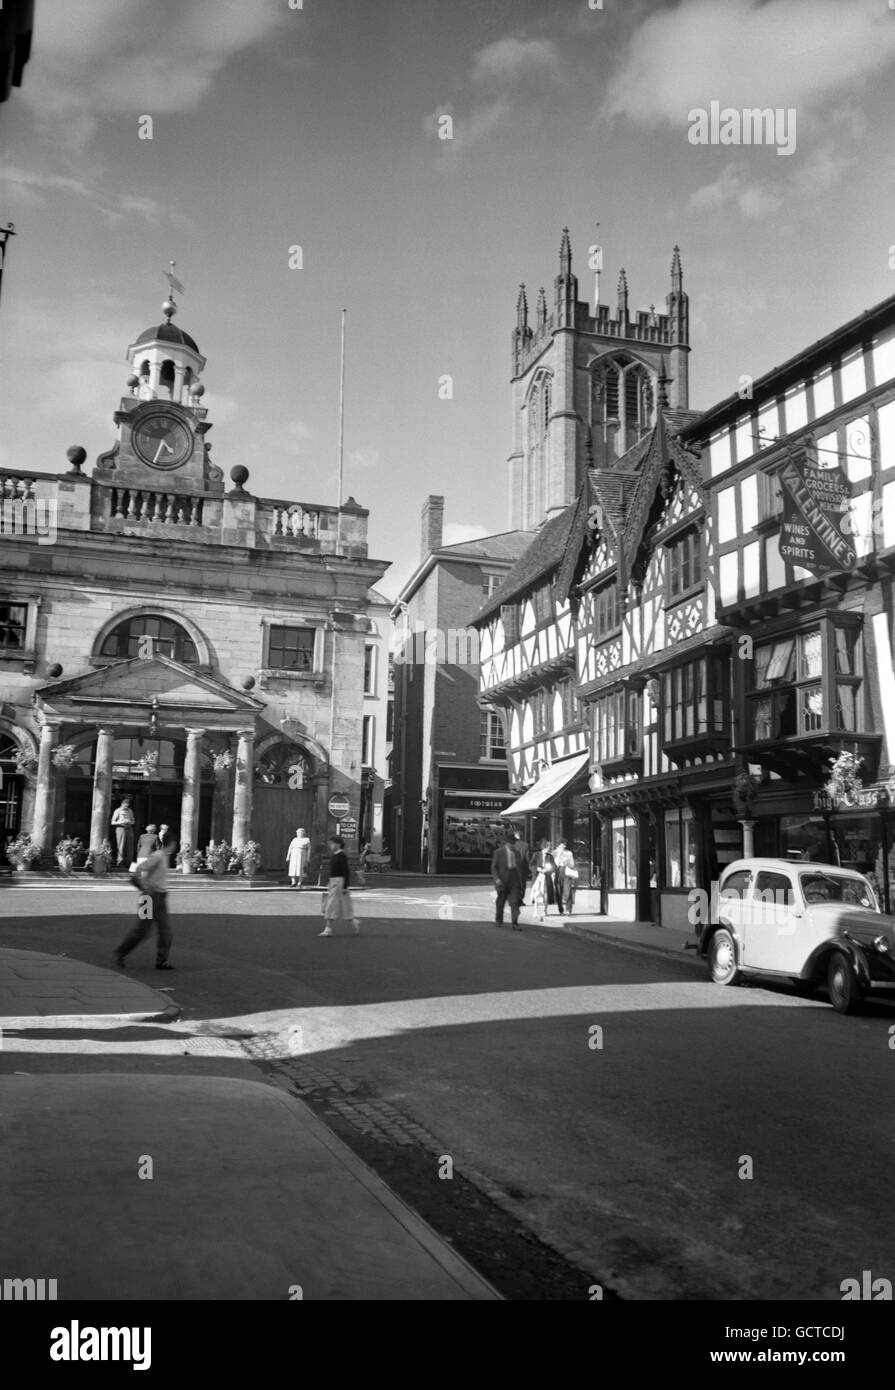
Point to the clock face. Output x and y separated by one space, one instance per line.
162 440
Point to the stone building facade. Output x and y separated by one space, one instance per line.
449 781
151 609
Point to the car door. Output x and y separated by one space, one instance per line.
732 896
771 924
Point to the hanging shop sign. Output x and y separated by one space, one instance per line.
815 500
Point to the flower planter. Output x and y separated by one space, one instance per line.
100 867
66 863
218 870
187 868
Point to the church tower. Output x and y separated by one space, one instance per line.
586 385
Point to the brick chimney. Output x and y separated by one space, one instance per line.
432 525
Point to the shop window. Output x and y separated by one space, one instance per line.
623 833
804 837
684 564
680 849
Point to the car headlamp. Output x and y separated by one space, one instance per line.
882 944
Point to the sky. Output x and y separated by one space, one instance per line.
318 124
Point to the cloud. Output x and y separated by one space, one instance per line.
508 59
35 188
97 57
732 187
365 457
468 129
782 53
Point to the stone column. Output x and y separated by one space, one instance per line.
44 796
242 797
748 838
101 811
192 781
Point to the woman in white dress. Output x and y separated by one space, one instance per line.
297 856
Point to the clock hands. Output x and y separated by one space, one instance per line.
163 444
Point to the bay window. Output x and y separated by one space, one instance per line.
805 683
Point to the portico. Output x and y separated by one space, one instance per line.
187 720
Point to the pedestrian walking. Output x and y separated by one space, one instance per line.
123 825
566 878
337 903
506 870
543 893
151 878
146 843
524 854
297 856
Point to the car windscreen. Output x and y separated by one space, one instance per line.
825 887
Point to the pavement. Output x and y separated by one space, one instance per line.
224 1188
149 1169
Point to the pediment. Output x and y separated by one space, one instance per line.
143 680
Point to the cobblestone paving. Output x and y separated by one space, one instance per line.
484 1223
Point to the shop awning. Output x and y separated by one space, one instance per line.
548 786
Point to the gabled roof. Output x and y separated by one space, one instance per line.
544 553
501 549
625 492
506 545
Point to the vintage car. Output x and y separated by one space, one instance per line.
800 921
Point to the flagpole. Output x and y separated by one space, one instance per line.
342 413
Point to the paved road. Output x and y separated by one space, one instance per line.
434 1034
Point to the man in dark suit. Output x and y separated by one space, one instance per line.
524 852
507 872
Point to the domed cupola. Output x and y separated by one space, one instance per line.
165 361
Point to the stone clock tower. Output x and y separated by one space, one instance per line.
162 424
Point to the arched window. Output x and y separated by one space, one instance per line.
166 376
540 404
623 405
283 765
168 639
8 749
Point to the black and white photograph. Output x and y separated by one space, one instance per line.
447 693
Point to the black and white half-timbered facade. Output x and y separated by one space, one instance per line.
693 660
800 469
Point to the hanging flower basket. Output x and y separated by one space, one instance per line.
64 757
844 784
222 762
745 787
147 764
26 761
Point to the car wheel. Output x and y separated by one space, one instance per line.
842 983
723 958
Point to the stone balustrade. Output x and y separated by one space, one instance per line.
15 488
291 520
140 505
